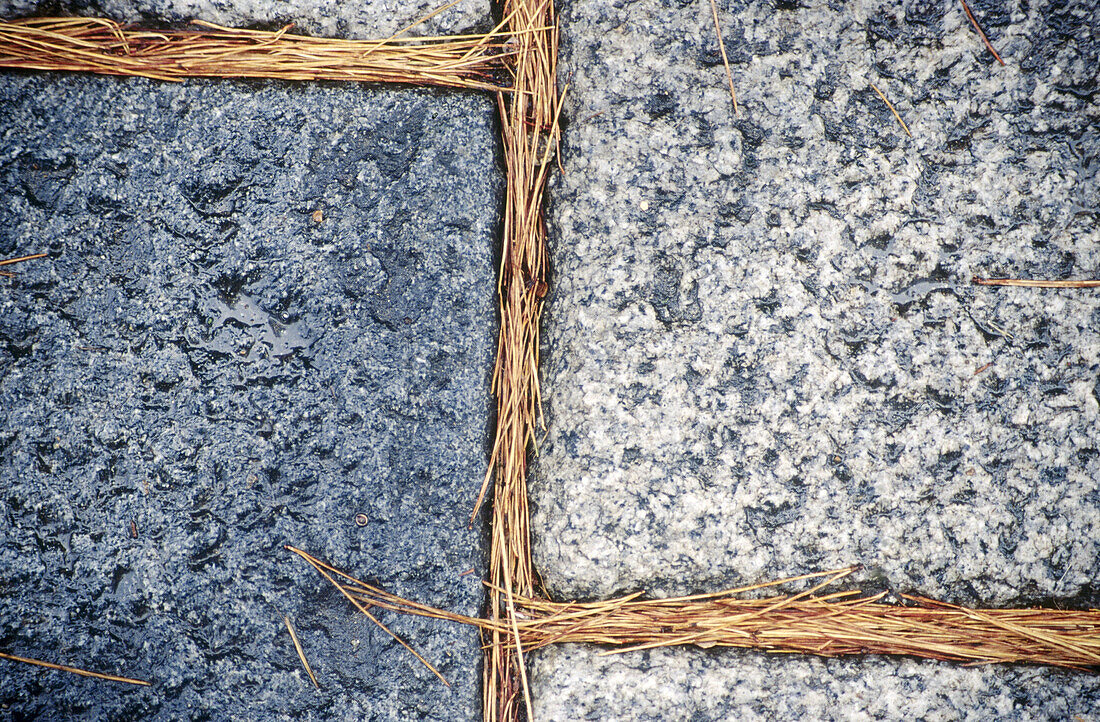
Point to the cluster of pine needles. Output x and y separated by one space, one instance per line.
814 621
95 45
529 116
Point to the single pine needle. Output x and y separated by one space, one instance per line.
977 27
74 670
31 257
722 48
519 642
301 652
424 19
892 110
1034 283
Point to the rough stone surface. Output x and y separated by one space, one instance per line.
328 18
764 355
204 370
691 686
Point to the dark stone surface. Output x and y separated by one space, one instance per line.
201 373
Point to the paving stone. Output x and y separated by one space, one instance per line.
763 354
574 683
268 308
329 18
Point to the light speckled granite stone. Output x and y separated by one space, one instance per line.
764 355
692 686
329 18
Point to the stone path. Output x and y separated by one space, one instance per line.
764 355
268 309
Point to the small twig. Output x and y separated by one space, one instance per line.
1032 283
979 29
722 47
891 107
301 652
74 670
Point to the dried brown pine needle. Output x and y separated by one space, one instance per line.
891 107
324 569
1033 283
103 46
10 261
722 48
74 670
530 128
301 652
977 27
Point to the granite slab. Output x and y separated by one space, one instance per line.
763 352
574 683
267 318
367 19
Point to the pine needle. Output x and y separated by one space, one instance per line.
814 621
1030 283
301 652
977 27
530 125
9 261
322 568
891 107
103 46
74 670
722 48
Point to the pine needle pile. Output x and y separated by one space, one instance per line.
828 624
101 46
529 120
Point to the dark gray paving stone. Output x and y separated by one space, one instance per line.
329 18
201 373
763 353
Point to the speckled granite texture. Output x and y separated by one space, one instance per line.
204 370
763 352
328 18
573 683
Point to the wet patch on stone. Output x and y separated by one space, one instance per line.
267 318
